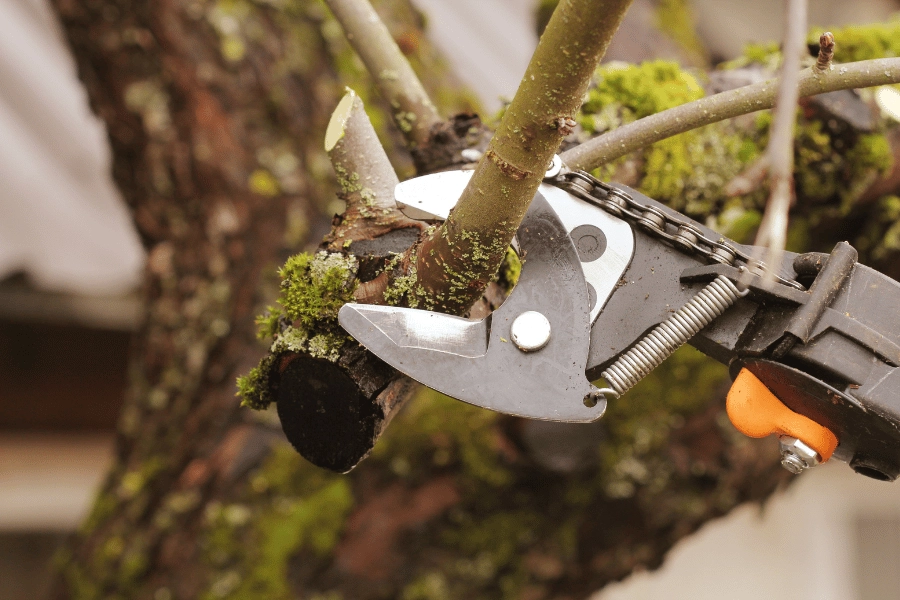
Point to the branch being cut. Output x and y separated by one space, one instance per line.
726 105
780 151
411 108
455 264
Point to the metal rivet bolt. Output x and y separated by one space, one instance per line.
530 331
555 167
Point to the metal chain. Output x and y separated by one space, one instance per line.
681 234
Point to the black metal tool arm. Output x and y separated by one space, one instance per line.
831 353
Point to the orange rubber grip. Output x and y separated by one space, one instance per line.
756 412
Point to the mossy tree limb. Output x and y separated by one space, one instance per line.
333 408
412 110
451 269
726 105
215 113
463 264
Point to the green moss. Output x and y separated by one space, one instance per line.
510 269
689 171
269 323
104 506
767 54
852 43
641 90
430 586
291 508
253 388
314 287
312 522
737 222
881 236
871 152
326 345
640 425
825 168
466 430
403 288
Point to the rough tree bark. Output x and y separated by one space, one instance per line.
216 112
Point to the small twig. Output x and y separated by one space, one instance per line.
725 105
411 108
772 232
750 179
826 51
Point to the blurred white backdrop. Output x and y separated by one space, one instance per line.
62 221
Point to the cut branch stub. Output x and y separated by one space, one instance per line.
366 180
334 398
334 411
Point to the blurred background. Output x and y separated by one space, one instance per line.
70 267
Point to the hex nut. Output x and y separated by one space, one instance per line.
796 455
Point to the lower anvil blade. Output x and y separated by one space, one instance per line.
416 329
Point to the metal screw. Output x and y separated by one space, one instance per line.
530 331
555 167
796 456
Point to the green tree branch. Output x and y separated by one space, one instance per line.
455 264
726 105
411 108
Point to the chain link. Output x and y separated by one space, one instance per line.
681 234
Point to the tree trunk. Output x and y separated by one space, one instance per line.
216 113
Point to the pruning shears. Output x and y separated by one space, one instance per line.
613 282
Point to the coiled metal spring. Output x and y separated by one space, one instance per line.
671 334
